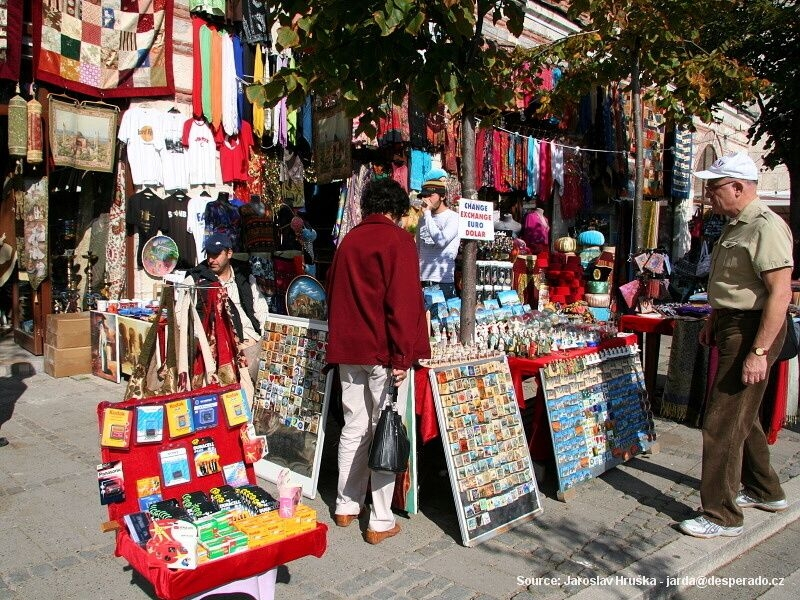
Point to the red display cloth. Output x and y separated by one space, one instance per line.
640 324
172 584
142 460
423 405
776 397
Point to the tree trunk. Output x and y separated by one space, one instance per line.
637 237
469 248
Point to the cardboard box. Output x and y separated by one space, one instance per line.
69 330
63 362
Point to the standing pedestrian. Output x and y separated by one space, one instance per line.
749 290
377 329
437 236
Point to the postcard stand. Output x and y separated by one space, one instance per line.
291 398
487 455
598 414
142 460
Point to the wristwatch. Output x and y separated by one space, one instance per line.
758 351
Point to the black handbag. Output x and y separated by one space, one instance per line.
790 345
390 446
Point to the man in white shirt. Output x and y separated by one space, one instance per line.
437 238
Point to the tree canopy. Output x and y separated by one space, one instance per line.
373 51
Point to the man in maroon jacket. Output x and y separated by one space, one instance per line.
377 328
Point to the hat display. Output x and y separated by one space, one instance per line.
217 242
738 166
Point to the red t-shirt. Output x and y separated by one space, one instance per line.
234 153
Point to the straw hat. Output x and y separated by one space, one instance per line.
8 256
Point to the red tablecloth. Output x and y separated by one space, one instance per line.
539 443
641 324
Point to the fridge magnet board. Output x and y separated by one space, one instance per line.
490 467
291 398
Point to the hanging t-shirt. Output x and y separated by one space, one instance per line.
201 153
176 212
141 130
234 153
146 214
173 157
196 221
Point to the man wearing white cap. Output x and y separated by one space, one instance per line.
749 290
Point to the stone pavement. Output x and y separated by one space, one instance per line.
621 524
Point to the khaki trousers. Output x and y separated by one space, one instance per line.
734 445
363 396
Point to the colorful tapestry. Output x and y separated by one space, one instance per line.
10 39
106 48
83 135
31 199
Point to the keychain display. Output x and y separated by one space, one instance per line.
598 412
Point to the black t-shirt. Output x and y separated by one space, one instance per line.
146 214
175 212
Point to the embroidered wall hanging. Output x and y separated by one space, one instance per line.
83 135
31 198
10 39
106 48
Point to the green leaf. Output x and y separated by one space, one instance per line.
256 94
287 38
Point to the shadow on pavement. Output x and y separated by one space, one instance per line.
11 389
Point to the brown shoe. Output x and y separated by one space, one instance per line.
345 520
376 537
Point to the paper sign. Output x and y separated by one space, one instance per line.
475 220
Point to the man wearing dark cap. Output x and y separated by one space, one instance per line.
249 309
749 289
437 237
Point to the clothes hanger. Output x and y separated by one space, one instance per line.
174 111
205 193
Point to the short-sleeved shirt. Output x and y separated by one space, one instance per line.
757 240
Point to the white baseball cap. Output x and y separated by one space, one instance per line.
738 166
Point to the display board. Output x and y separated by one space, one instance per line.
490 467
291 398
598 413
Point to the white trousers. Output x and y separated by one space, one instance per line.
364 390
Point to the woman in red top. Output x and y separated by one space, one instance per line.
377 328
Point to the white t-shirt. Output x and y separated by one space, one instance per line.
202 154
174 157
196 222
141 130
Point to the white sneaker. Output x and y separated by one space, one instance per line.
745 500
703 528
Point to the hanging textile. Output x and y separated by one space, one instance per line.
11 39
682 164
545 174
570 194
480 156
17 126
32 244
105 47
332 147
421 163
532 171
34 131
351 210
115 249
687 374
93 149
650 214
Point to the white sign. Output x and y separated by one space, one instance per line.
475 220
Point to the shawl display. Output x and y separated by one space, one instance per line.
687 374
107 48
10 39
31 197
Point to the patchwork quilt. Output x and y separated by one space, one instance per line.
105 48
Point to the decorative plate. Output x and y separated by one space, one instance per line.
160 256
305 297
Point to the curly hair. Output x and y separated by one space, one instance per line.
384 196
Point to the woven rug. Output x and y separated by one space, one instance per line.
687 374
106 48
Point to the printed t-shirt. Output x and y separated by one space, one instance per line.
201 153
141 130
196 222
176 211
146 214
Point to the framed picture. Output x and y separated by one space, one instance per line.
105 346
83 135
132 333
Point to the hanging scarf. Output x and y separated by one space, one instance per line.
258 109
34 131
32 246
17 126
222 338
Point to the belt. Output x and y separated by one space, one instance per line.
735 312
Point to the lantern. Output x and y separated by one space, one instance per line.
17 126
